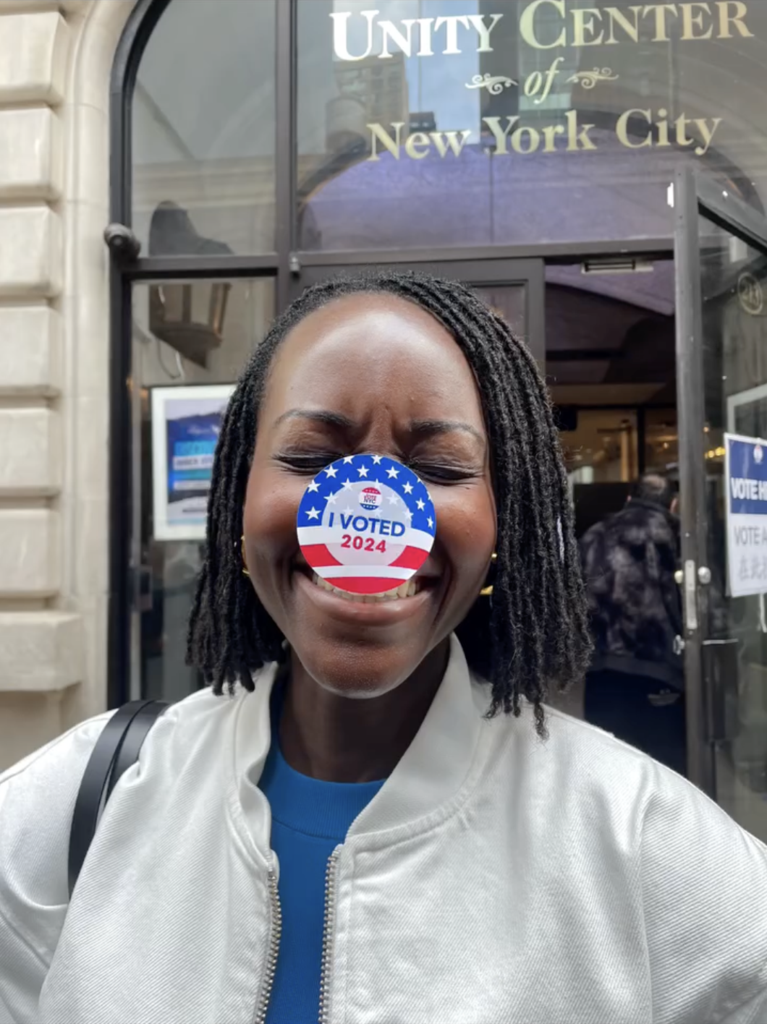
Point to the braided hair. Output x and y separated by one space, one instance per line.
533 634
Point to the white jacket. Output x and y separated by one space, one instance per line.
495 879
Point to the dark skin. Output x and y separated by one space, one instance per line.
367 373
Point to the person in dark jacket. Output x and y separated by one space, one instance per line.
635 687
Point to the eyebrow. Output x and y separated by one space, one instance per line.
424 428
429 428
332 419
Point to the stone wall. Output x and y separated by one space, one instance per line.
55 62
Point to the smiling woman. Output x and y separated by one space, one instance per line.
377 841
397 334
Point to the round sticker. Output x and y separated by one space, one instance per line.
366 524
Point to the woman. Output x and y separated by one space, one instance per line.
437 860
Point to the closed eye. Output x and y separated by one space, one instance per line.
307 463
442 473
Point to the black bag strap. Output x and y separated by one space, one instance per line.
117 748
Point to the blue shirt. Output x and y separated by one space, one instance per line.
309 820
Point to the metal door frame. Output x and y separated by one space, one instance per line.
480 273
696 195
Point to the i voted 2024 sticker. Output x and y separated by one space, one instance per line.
366 524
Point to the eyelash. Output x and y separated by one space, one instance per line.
441 474
310 464
314 463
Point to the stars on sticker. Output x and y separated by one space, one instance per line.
331 498
376 460
392 473
421 505
331 471
313 513
347 485
348 460
408 513
430 521
348 511
362 470
408 488
313 487
393 499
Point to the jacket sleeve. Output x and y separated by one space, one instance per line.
599 579
704 883
37 799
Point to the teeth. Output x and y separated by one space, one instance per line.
408 589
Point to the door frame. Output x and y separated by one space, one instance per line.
480 273
696 195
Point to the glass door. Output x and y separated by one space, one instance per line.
513 288
721 253
190 341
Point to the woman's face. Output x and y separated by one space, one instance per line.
376 374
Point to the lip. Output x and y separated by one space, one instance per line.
380 614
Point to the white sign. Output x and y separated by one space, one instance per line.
746 481
186 422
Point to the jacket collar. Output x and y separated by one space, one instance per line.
654 506
430 774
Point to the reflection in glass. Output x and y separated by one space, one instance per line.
198 340
204 130
734 278
425 123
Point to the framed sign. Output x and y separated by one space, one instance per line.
186 422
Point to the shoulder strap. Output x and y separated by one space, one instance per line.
117 748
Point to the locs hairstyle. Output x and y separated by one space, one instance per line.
533 635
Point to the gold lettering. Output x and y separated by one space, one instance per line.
341 35
578 135
389 31
617 17
527 25
424 36
662 126
438 138
706 133
660 11
478 21
392 144
533 137
681 132
550 133
451 23
621 129
581 26
500 134
692 20
736 19
415 140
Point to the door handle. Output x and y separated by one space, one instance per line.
720 680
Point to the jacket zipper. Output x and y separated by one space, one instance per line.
327 934
274 948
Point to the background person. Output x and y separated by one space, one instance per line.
635 686
360 821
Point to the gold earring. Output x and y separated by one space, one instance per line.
488 591
242 550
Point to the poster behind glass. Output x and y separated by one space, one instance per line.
186 423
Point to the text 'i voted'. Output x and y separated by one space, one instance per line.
366 524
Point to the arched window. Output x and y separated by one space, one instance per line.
195 191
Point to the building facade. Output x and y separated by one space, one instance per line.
173 173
